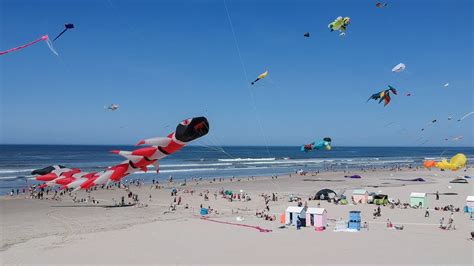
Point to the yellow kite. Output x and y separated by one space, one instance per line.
261 76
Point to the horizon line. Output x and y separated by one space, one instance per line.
191 145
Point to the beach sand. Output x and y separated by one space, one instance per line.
48 231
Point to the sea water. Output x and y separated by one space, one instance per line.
17 161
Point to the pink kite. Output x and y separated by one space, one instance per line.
43 38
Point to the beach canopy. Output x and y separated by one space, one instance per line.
417 195
325 194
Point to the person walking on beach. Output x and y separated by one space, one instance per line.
437 195
427 213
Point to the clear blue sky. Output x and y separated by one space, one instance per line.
163 61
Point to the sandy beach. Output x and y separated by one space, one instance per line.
62 231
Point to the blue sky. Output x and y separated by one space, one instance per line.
163 61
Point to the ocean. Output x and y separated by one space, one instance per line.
17 161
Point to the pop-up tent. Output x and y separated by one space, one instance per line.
381 199
325 194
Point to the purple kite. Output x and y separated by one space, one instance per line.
353 176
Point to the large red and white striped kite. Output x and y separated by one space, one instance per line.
137 160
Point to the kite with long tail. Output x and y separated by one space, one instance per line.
137 160
44 38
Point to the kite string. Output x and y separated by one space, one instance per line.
214 141
254 102
246 78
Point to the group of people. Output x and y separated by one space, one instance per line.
265 213
449 225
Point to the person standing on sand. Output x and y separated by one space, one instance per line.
437 195
389 224
427 213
